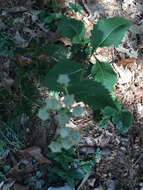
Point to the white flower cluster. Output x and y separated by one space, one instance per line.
66 137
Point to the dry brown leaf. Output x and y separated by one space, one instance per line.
44 57
139 94
24 61
34 152
20 41
7 186
20 187
46 2
1 184
16 171
57 2
125 75
125 62
66 41
60 2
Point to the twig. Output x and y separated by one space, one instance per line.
140 157
83 181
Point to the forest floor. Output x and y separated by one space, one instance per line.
120 163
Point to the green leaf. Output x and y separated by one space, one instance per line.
123 120
48 19
109 111
69 68
104 74
1 145
72 29
75 173
70 182
92 93
54 51
57 16
76 8
108 32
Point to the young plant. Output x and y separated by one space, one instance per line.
90 161
64 173
65 137
96 90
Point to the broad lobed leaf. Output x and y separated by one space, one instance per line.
104 73
90 92
71 69
108 32
72 29
121 118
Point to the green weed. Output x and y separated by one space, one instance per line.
67 70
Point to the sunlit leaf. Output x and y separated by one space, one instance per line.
103 73
34 152
108 32
72 29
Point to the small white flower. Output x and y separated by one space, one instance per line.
52 104
55 147
63 119
74 137
77 111
43 114
64 132
63 79
68 100
66 144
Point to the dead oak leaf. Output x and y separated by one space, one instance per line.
57 2
20 41
139 93
20 187
34 152
17 171
8 186
24 61
124 62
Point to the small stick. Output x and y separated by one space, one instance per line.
140 157
83 181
